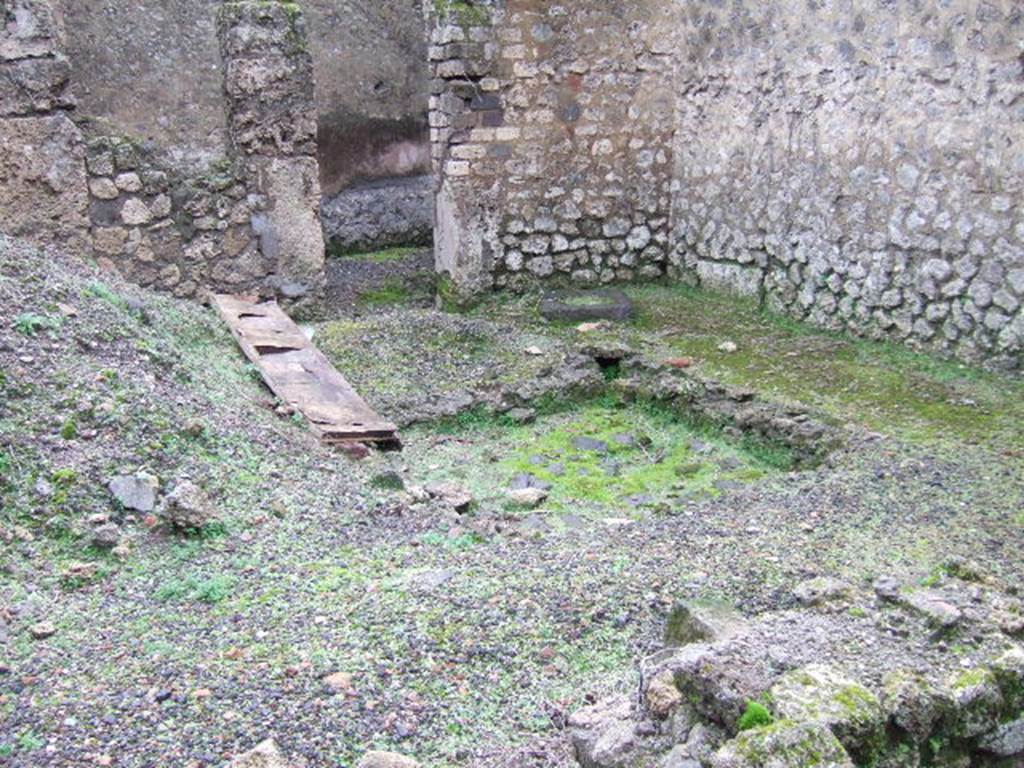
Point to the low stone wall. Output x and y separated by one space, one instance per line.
388 213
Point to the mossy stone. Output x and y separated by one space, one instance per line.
784 744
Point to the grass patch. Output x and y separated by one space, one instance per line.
211 590
103 292
383 256
393 291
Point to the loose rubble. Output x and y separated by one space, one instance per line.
849 678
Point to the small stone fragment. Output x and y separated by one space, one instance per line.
339 682
662 696
728 347
939 613
386 760
454 495
887 588
135 492
701 621
821 590
522 415
42 630
106 536
604 734
530 498
187 506
265 755
590 444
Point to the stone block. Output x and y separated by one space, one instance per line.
730 278
44 194
34 86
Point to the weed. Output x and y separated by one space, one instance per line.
30 323
463 12
69 429
334 250
253 372
103 292
30 741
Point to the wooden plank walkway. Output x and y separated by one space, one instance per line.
299 374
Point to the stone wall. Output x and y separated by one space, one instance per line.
272 124
393 212
551 131
242 216
150 71
858 164
42 176
371 89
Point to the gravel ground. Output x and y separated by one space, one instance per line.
357 283
464 639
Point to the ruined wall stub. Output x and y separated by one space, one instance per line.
42 177
245 219
272 123
857 164
551 132
150 71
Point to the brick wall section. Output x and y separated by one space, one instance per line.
551 132
42 178
861 165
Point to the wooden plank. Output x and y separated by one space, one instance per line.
299 374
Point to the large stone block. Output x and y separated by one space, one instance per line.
43 193
289 226
30 29
730 278
33 86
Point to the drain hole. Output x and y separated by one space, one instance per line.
611 367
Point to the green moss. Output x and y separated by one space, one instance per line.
755 716
787 743
392 292
466 13
647 460
883 386
973 678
